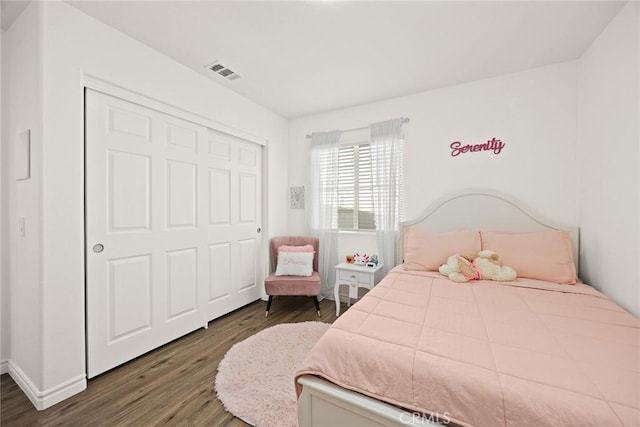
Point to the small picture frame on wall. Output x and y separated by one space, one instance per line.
297 197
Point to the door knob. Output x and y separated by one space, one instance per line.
259 230
97 248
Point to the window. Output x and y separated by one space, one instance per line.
356 184
355 187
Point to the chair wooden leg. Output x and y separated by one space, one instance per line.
315 301
268 305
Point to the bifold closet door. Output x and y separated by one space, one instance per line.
172 213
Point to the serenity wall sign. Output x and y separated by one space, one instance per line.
493 144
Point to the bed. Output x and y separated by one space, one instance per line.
419 349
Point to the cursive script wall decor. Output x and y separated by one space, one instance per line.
493 144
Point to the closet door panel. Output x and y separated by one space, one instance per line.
172 217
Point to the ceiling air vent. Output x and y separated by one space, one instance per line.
223 70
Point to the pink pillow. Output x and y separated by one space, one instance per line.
541 255
424 250
290 249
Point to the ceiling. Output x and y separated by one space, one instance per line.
299 58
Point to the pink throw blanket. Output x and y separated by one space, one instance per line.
523 353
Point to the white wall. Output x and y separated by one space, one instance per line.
4 205
23 50
533 111
74 44
609 160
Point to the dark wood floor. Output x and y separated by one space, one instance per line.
173 385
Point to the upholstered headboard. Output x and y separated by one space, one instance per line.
485 210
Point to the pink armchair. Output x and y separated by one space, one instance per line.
293 285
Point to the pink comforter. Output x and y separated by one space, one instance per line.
527 353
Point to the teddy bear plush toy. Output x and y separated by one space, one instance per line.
486 266
458 268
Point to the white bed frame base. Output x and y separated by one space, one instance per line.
323 404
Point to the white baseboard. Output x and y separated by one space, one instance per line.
47 398
4 367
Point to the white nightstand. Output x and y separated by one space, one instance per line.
355 276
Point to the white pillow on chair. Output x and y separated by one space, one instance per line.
294 264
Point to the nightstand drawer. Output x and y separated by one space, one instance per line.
354 276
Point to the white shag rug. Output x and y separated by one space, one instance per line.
255 379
